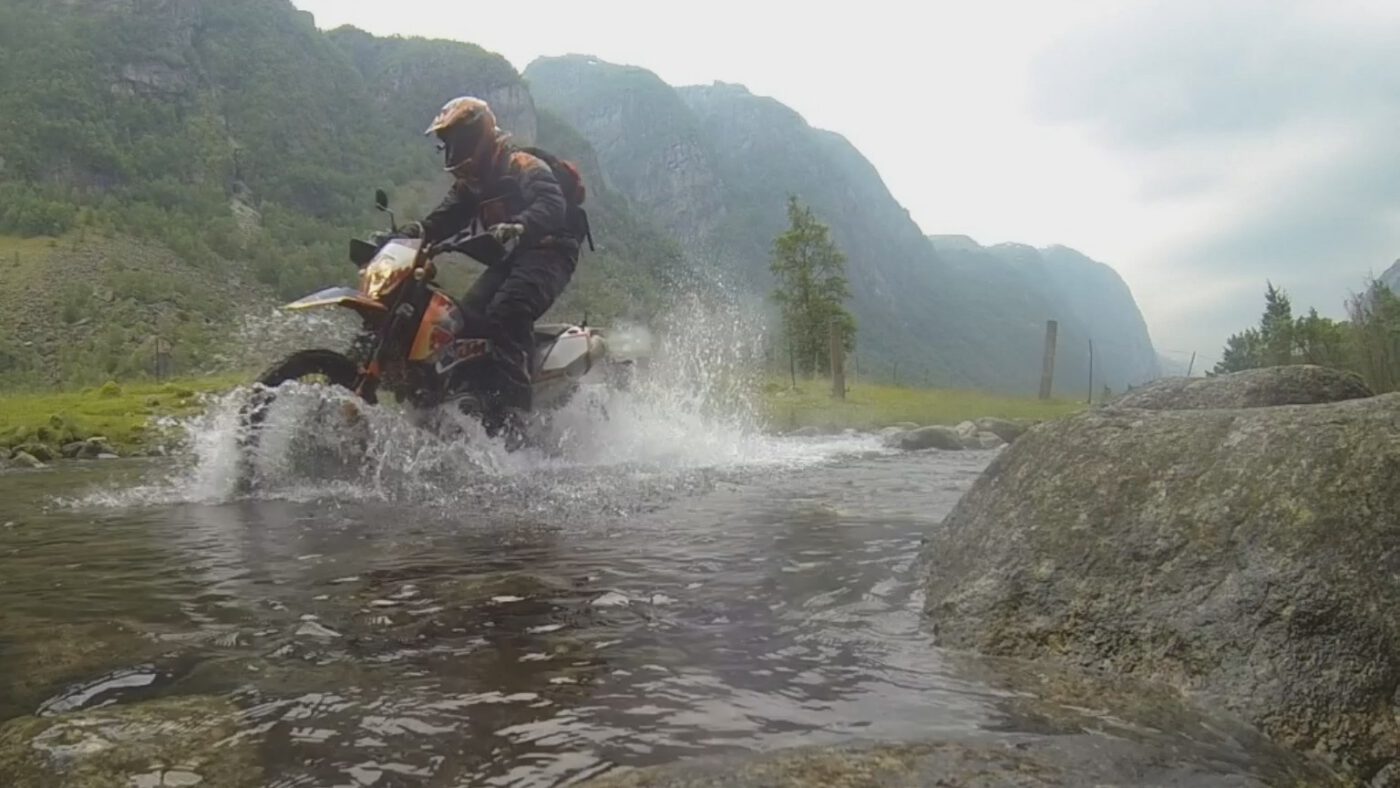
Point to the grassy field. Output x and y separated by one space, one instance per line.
123 413
870 407
120 413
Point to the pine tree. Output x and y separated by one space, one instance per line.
1276 328
811 289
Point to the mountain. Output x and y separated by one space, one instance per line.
1391 277
1088 299
714 164
167 165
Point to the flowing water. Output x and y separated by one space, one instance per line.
391 609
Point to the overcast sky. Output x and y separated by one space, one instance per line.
1198 147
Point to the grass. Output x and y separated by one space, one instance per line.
869 407
120 413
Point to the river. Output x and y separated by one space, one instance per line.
663 584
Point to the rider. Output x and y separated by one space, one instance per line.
513 195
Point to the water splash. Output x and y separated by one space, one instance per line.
687 415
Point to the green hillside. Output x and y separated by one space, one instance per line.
167 166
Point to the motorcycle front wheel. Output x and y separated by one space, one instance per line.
315 367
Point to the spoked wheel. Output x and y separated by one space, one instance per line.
312 367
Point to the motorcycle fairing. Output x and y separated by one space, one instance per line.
442 324
338 296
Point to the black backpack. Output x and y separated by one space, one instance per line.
571 183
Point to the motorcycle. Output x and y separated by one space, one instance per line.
421 345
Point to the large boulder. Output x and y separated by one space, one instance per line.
1253 388
1246 556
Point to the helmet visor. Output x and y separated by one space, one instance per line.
459 144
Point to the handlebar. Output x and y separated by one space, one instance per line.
485 248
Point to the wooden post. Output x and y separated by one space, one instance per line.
162 358
1192 366
838 363
792 362
1047 373
1091 372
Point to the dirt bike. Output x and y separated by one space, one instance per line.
418 343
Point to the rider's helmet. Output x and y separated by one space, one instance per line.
466 127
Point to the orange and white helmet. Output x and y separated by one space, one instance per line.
466 126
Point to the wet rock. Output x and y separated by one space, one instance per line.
48 655
945 438
173 741
985 441
1254 388
26 460
807 432
966 430
70 450
94 448
1245 556
1006 429
38 451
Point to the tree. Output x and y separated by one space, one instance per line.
1242 351
1269 345
1375 335
811 289
1276 327
1320 340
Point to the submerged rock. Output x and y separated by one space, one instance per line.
1246 556
173 741
1049 726
1068 761
1255 388
48 655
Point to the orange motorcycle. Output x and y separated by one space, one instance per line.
418 343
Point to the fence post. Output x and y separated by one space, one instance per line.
838 363
1091 372
162 358
1047 373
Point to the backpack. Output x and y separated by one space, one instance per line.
571 183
